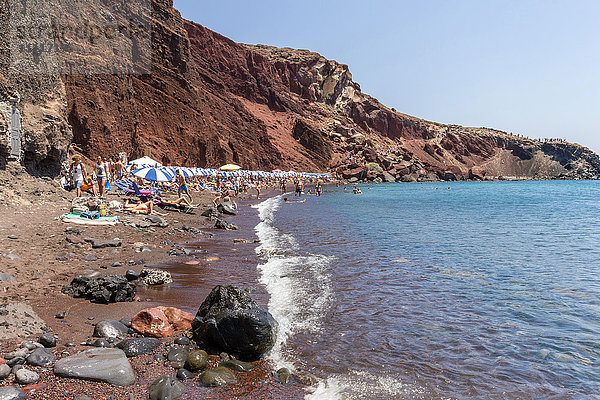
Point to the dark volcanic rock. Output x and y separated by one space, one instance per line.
131 275
177 353
102 289
228 208
137 347
101 244
220 224
184 375
47 340
211 213
231 320
41 358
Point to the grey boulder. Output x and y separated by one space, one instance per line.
26 377
98 364
110 328
166 388
12 393
41 358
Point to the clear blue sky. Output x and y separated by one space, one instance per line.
529 67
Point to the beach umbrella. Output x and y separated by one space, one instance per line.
230 167
187 172
154 174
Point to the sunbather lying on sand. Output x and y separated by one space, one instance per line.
141 208
182 201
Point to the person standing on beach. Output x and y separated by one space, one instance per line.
101 175
78 174
182 186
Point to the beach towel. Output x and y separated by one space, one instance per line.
77 219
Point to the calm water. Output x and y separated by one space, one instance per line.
483 290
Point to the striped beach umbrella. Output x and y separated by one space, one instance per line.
154 174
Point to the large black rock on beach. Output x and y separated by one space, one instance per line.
229 319
103 289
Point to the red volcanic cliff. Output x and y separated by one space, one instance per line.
209 101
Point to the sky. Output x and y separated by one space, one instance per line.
529 67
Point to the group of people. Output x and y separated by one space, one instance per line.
105 171
96 183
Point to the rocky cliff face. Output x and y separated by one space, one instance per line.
207 100
40 101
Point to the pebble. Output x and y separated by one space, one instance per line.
196 361
4 371
284 375
182 340
126 322
47 340
12 256
159 357
219 376
22 352
29 345
15 361
137 347
70 344
184 375
7 278
90 257
166 388
60 315
177 353
110 328
13 237
237 365
101 343
131 275
26 377
116 264
12 393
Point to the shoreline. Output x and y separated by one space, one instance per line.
40 243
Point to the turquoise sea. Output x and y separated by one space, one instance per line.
460 290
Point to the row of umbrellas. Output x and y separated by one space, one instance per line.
167 174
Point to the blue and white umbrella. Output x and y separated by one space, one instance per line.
154 174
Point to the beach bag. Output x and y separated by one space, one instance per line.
107 186
90 215
79 210
102 210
